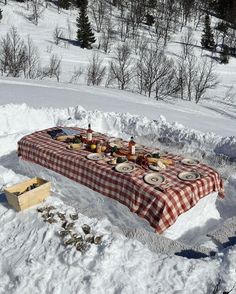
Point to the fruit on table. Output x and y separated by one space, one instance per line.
103 148
93 146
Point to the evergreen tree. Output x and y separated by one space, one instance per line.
0 14
150 20
85 35
207 40
65 4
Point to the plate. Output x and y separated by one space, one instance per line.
189 176
124 167
95 156
154 179
154 167
189 161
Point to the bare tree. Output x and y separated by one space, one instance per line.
137 12
120 66
181 77
57 35
69 29
76 75
99 10
123 24
140 43
95 70
155 73
36 11
53 69
31 65
106 35
188 43
191 73
205 79
12 53
166 83
168 16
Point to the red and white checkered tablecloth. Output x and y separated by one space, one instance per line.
161 209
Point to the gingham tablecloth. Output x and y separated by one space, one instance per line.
161 209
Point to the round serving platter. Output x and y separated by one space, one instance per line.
155 179
189 176
189 161
95 156
124 167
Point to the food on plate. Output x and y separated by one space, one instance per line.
121 159
161 164
167 161
75 146
64 138
152 160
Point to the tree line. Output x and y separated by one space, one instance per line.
149 72
142 29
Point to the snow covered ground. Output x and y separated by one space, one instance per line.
33 258
119 265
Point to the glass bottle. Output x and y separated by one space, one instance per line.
89 133
132 146
99 147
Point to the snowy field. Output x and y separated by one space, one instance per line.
28 245
33 257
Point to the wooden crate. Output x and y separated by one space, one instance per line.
29 198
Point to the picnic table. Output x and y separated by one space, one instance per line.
159 206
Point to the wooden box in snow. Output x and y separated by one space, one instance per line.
20 198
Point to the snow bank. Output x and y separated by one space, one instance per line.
32 254
115 124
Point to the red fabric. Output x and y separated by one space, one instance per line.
161 209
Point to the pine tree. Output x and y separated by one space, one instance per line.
0 14
65 4
150 20
85 35
207 40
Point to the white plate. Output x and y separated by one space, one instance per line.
154 179
154 167
189 161
124 167
189 176
95 156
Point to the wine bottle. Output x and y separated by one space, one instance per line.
89 133
132 146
